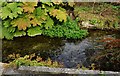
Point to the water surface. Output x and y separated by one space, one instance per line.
67 51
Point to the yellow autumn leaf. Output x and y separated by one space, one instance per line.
38 59
35 22
49 61
53 12
56 1
71 4
29 6
61 15
21 23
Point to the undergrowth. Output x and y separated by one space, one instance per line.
68 29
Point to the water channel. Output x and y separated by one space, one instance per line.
67 51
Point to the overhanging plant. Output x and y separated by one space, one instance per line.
33 18
28 18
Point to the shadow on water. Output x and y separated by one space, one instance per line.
69 52
28 45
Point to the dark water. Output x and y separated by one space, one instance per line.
69 52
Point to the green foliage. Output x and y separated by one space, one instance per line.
8 32
19 33
49 23
29 6
11 10
116 7
69 29
21 23
57 13
116 25
94 21
30 60
29 18
0 31
33 31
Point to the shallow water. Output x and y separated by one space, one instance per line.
69 52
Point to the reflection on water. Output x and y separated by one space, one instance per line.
69 52
73 54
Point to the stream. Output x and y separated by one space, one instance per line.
67 51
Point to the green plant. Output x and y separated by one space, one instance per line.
116 25
94 21
29 18
68 29
32 60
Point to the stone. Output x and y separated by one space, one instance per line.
1 68
86 24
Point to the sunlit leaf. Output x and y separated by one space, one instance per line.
60 15
21 23
19 33
6 13
34 20
29 6
11 10
34 31
6 33
71 3
56 1
6 23
49 23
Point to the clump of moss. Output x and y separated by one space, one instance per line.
102 15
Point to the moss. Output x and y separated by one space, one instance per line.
102 15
